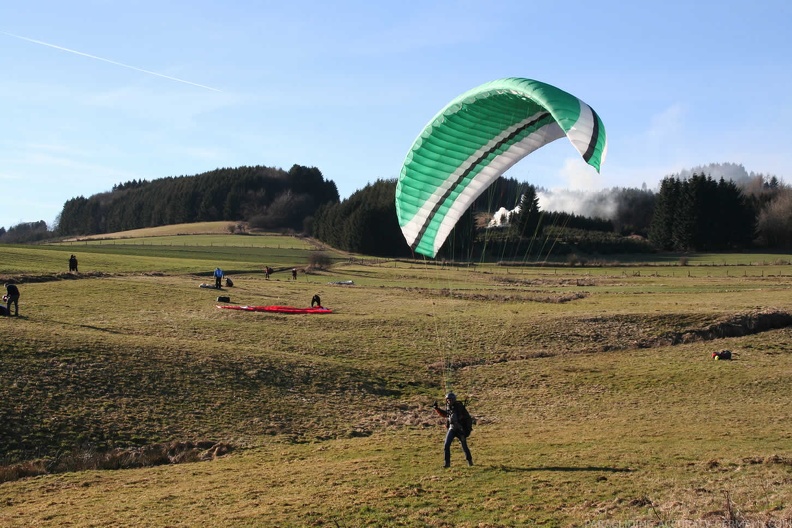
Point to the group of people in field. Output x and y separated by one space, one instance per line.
219 274
269 271
11 297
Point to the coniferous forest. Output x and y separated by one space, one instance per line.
266 198
689 212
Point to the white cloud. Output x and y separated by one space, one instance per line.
576 174
667 124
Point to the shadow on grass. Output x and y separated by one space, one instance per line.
89 327
512 469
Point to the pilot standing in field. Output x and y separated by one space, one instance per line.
455 415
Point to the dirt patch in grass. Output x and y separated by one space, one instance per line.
737 325
540 296
552 281
51 277
127 458
603 334
772 459
537 296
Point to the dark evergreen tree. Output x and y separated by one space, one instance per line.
634 211
683 217
699 214
738 217
661 227
363 223
525 223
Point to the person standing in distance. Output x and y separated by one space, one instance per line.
12 297
456 419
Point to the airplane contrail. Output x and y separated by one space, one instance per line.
110 61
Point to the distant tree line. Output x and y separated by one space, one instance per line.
265 197
366 223
691 211
25 232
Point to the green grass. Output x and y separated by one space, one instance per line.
582 415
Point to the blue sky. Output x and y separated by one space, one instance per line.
114 91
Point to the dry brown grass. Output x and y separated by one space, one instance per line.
198 228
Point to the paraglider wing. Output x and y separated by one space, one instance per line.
477 137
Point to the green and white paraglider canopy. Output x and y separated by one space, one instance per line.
477 137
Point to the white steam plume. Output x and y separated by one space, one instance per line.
591 204
502 217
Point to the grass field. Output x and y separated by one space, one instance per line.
594 390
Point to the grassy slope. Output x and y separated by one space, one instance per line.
198 228
575 423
